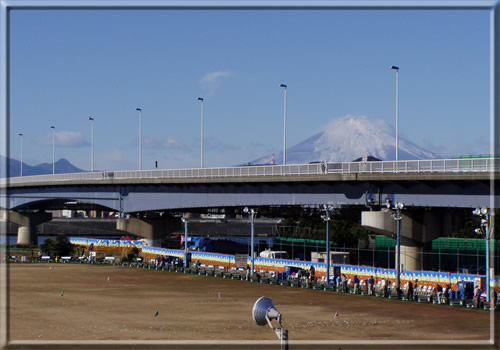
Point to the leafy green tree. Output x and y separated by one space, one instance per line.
130 255
48 246
468 231
63 246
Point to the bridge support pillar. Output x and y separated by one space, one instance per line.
26 233
152 230
410 258
418 228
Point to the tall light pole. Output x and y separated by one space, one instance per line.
184 220
21 154
252 219
53 149
397 217
92 144
326 219
397 110
484 230
202 117
140 137
284 125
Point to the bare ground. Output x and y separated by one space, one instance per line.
85 302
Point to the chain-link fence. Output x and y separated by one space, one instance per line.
443 254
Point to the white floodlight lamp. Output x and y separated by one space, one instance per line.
388 203
325 218
264 311
245 210
400 205
183 219
484 211
476 211
478 231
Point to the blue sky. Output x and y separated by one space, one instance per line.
67 65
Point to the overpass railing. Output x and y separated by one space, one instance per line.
473 165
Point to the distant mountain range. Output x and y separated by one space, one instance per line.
348 138
61 166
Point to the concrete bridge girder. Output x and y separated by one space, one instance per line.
413 232
152 230
26 233
445 190
417 229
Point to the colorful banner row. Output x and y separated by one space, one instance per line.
278 265
105 243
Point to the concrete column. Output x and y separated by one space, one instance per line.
27 232
410 258
24 235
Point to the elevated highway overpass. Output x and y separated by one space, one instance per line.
446 183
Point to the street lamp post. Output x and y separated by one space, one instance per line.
92 145
284 126
21 154
484 230
252 219
326 219
140 137
53 149
184 220
397 110
397 217
202 117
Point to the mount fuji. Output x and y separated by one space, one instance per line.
349 138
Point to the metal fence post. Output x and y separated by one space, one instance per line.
439 257
373 255
388 258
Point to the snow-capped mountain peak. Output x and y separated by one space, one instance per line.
350 137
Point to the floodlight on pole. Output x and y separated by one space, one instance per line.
184 220
21 154
202 130
91 144
397 217
484 229
396 68
263 312
284 125
140 137
252 219
53 149
326 218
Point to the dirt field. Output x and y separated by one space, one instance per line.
82 302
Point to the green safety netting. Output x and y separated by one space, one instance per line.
444 243
302 241
476 156
463 244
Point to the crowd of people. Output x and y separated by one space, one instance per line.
411 290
